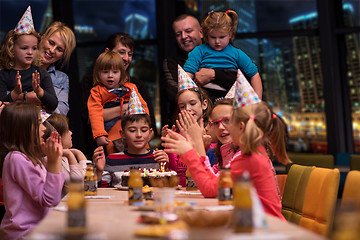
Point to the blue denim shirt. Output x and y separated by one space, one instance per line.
61 86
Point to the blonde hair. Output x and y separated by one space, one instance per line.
261 128
109 60
7 47
220 21
67 35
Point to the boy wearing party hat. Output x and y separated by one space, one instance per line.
21 77
136 133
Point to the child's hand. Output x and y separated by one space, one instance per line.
161 156
36 84
102 141
165 128
204 76
188 123
175 143
52 148
207 140
2 105
31 97
99 160
16 93
189 128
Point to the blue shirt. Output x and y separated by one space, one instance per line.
203 56
61 86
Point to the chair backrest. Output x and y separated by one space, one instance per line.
312 159
355 162
294 192
351 188
320 200
281 179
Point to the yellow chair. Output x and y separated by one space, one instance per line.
351 190
320 200
294 192
354 162
281 179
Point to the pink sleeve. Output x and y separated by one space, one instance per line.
204 178
23 171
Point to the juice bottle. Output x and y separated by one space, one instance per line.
76 209
90 181
135 187
242 215
225 187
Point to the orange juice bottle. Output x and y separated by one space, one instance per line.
135 187
90 181
76 209
225 187
242 215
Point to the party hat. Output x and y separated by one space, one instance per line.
184 80
26 24
244 93
135 106
44 115
231 92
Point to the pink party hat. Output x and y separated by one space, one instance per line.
244 93
135 106
26 24
184 80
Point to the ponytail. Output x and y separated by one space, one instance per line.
234 21
278 138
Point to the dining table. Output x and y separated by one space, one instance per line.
109 216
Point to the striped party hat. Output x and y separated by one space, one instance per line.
135 106
184 81
26 24
244 93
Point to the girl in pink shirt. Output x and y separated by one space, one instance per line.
31 185
196 102
250 127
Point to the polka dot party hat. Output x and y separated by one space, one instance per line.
244 93
135 106
184 81
231 92
26 24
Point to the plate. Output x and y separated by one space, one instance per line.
142 206
123 188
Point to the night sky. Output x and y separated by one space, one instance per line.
108 16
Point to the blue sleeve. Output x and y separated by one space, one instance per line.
192 64
246 65
61 86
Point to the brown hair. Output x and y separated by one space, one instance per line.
109 60
220 21
56 122
260 130
134 118
67 35
19 131
7 46
123 38
202 97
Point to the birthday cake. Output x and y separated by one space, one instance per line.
154 178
